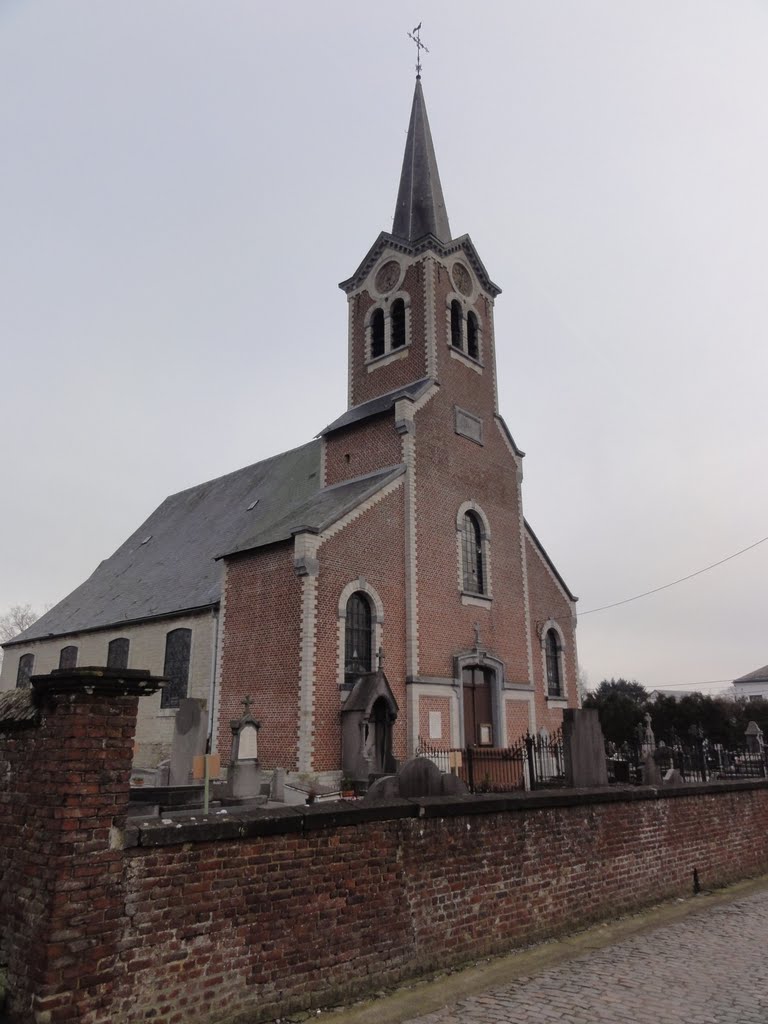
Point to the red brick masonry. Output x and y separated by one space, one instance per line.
245 918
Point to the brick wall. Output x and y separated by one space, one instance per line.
261 650
64 783
253 917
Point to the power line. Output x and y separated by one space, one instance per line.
674 583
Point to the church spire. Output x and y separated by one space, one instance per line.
420 206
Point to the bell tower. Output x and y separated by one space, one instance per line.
421 298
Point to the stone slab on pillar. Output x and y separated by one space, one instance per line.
190 736
584 749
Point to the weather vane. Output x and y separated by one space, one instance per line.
416 37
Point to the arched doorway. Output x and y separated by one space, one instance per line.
380 735
478 706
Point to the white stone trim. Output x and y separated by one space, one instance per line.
524 566
387 358
388 256
359 510
490 359
451 693
307 678
377 620
351 303
411 558
508 444
450 264
430 318
562 698
464 359
472 506
527 696
555 580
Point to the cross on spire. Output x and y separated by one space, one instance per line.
416 37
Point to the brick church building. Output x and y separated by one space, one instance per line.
377 585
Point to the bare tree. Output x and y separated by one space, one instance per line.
18 618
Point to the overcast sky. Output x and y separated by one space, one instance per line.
184 183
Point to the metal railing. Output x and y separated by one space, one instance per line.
535 763
697 761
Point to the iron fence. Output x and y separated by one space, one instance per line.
535 763
698 761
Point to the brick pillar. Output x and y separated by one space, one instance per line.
65 800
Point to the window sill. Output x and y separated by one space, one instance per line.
463 357
479 600
166 712
557 702
387 358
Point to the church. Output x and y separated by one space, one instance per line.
374 589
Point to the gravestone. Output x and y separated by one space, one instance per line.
243 775
190 737
754 737
277 786
651 771
418 777
673 777
583 749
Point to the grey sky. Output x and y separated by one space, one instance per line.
183 185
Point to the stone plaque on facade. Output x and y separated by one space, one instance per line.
388 276
462 278
468 425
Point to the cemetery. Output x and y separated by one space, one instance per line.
254 910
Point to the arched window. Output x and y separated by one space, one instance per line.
26 667
456 324
178 644
117 652
68 657
473 331
472 554
398 323
377 333
552 651
358 636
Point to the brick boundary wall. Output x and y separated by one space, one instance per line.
246 918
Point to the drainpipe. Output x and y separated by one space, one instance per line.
212 698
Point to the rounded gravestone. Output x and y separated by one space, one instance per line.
188 716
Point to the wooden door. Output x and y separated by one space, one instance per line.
478 729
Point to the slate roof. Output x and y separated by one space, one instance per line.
169 564
16 709
377 406
420 208
760 675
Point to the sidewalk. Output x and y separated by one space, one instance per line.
696 961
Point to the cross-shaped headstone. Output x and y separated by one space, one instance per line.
247 705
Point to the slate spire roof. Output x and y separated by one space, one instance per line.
420 208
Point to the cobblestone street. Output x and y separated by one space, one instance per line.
710 968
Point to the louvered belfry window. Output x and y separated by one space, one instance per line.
377 333
473 346
456 324
358 645
398 323
472 554
178 644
